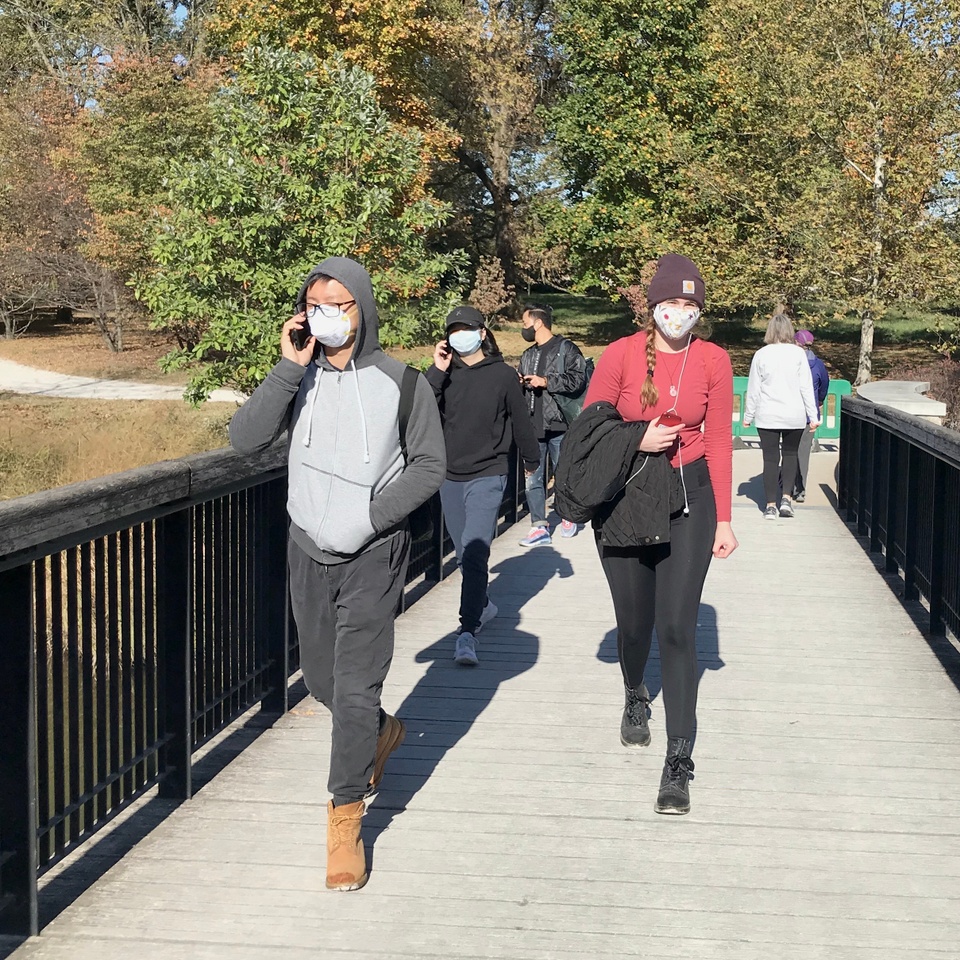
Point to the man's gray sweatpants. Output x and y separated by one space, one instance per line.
344 614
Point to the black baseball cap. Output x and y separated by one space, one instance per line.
465 316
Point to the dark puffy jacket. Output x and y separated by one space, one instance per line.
566 373
629 496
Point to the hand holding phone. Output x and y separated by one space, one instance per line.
442 355
299 336
669 419
296 341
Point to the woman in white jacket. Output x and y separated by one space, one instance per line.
780 401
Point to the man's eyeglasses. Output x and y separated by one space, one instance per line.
328 310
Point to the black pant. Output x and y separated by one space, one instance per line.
771 443
660 586
344 614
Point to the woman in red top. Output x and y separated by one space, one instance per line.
664 373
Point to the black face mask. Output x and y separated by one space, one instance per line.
529 334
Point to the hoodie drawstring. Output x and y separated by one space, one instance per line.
363 418
313 403
315 393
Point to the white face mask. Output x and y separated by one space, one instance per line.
465 342
675 322
330 331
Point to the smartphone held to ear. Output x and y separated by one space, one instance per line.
669 419
299 336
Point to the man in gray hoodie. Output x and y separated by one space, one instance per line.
350 492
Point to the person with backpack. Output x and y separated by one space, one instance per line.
553 373
821 387
352 485
483 413
676 391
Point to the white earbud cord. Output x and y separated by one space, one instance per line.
676 400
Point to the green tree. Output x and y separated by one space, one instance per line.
470 76
636 108
833 171
304 163
496 72
150 112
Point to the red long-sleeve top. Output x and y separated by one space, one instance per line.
704 402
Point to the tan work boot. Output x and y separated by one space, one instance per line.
390 738
346 860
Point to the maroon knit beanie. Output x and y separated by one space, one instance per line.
676 276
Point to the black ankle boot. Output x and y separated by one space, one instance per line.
674 796
634 731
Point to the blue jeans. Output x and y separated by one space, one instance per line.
536 488
470 509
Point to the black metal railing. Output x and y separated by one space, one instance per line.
142 614
900 483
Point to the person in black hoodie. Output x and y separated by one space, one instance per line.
482 410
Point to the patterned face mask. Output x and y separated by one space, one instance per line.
675 322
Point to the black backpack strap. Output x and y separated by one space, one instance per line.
408 388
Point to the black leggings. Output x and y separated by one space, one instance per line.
771 442
660 587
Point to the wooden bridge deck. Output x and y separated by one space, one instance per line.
513 824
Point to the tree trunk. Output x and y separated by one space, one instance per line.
865 360
868 315
505 232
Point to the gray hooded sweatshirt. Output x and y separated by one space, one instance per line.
348 485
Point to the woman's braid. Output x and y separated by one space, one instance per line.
649 394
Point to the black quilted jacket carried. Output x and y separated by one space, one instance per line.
629 496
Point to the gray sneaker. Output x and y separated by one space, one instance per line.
466 651
488 613
770 513
786 507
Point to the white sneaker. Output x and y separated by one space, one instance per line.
466 652
488 613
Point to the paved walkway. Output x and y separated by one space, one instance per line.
18 378
512 824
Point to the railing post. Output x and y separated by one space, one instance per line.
937 552
843 469
863 480
878 443
911 533
174 599
513 488
18 757
893 475
274 597
434 569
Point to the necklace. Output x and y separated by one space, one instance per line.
672 374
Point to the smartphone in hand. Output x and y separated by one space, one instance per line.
299 336
669 419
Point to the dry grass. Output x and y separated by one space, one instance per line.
78 348
47 442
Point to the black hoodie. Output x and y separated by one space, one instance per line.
482 410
